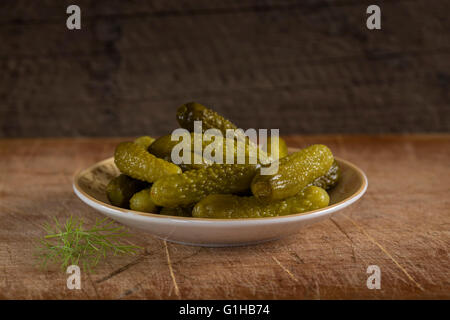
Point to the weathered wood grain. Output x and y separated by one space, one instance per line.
313 63
401 225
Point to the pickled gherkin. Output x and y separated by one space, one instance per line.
193 111
144 141
330 179
178 211
295 172
163 146
136 162
195 166
190 112
282 150
141 201
120 190
191 186
226 206
219 171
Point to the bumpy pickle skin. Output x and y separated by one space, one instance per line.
177 212
195 166
226 206
162 148
193 111
330 179
144 141
120 190
190 112
282 150
136 162
192 186
141 201
295 172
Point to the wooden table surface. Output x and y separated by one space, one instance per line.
401 225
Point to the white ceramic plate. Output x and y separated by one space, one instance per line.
89 185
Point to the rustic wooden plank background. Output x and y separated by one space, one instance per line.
302 66
401 225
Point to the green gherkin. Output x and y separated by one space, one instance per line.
330 179
226 206
162 148
178 211
193 111
141 201
191 186
120 190
195 166
295 172
136 162
144 141
282 150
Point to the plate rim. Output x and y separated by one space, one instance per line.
143 216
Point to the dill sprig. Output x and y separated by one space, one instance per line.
71 243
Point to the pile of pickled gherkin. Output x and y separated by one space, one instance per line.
151 182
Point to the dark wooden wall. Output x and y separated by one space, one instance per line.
306 66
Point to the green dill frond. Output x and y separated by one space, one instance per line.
71 243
